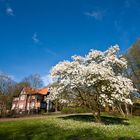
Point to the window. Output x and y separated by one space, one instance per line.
32 105
13 106
33 97
22 97
20 106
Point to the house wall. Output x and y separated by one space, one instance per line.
30 103
19 103
15 103
22 102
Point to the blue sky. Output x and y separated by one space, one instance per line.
37 34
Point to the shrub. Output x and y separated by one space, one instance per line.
71 110
42 111
136 109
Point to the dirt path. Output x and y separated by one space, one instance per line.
29 117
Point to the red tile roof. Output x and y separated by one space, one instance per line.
30 90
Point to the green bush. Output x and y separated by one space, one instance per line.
42 111
71 110
136 109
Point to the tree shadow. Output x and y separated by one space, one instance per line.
125 138
107 120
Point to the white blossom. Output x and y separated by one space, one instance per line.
96 73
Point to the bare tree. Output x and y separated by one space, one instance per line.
133 58
34 80
7 87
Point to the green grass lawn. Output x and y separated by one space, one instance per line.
73 127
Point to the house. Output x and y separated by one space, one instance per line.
32 100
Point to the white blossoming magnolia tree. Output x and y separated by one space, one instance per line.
95 80
57 96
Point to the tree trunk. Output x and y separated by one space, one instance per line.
96 107
131 108
56 105
97 112
127 110
121 110
106 108
113 109
97 116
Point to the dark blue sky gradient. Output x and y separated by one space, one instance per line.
37 34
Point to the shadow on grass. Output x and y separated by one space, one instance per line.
125 138
90 118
